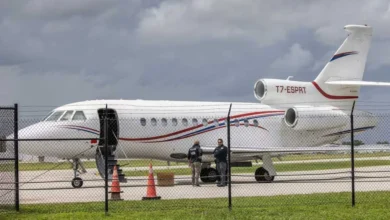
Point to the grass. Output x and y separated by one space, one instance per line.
332 156
278 167
369 205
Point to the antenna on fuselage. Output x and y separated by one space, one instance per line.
289 77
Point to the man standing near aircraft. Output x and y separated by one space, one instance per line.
220 154
194 159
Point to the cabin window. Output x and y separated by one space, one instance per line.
184 122
246 122
216 122
67 116
255 123
154 122
164 122
205 122
55 116
79 116
143 121
194 122
174 121
236 123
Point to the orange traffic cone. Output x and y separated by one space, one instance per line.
151 188
115 188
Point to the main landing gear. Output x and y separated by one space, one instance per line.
77 182
266 173
208 175
262 175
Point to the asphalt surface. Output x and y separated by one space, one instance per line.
55 186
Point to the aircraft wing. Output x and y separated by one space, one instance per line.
325 148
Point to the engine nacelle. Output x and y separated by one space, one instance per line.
315 118
271 91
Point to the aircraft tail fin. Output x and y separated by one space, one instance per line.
350 59
346 65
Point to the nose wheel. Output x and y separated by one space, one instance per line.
77 182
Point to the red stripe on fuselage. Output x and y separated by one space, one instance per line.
332 96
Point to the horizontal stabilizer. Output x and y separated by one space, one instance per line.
358 83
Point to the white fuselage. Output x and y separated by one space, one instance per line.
147 129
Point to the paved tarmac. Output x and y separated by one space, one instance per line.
55 186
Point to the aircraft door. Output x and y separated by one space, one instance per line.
112 127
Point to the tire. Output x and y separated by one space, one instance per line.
262 175
204 175
77 182
213 175
208 175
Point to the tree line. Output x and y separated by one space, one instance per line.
359 142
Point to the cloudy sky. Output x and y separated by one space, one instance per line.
56 52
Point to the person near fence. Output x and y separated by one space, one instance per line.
220 154
194 161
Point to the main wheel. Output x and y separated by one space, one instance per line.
77 182
208 175
262 175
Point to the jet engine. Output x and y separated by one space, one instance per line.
315 118
276 91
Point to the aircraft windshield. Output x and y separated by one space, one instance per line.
47 116
55 116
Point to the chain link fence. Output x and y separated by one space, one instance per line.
9 198
114 156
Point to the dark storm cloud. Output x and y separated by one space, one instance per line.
55 52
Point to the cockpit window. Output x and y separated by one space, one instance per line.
67 116
79 116
44 119
55 116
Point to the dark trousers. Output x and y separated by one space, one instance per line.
221 168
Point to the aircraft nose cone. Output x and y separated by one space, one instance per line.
27 143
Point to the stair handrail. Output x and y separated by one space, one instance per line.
117 140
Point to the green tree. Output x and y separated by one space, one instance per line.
356 142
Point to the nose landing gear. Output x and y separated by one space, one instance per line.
77 182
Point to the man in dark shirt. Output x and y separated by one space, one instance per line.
220 154
194 161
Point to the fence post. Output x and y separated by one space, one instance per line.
16 149
229 164
352 157
106 160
